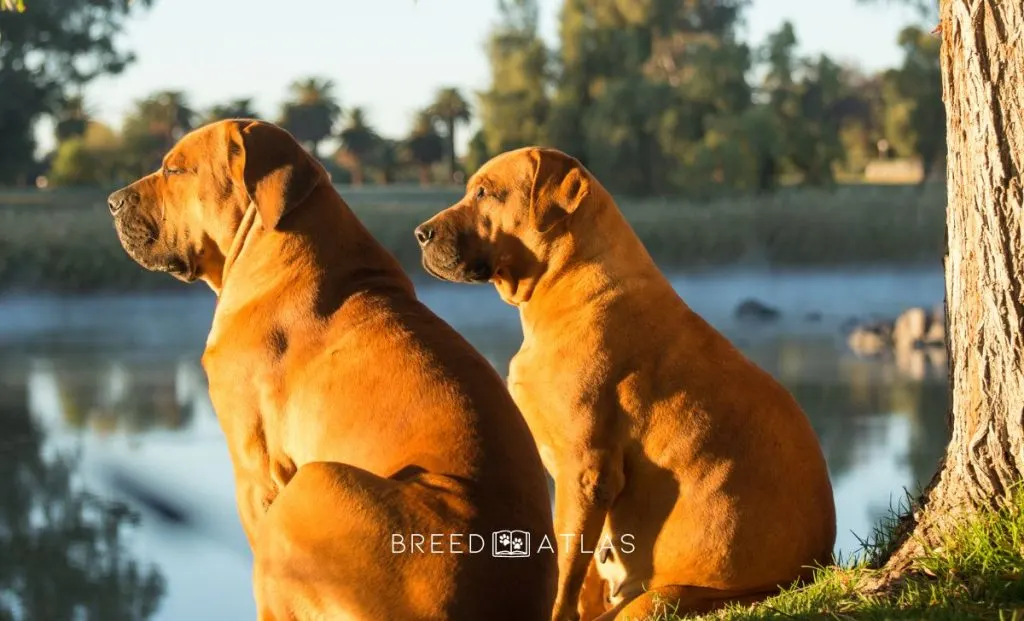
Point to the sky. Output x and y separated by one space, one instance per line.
391 56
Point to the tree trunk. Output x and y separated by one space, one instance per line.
983 78
424 174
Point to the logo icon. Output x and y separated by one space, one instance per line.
510 543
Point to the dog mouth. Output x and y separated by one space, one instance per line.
140 243
455 270
178 268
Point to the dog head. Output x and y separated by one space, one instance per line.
514 216
182 219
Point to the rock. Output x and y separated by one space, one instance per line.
754 310
910 328
869 340
912 363
936 335
915 329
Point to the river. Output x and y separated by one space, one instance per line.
117 485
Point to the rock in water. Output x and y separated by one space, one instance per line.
754 310
910 328
869 340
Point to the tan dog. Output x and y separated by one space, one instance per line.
370 442
664 441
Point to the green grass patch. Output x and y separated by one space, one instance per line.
976 573
63 240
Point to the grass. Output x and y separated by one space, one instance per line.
63 240
976 573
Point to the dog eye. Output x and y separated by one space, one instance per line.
173 171
481 192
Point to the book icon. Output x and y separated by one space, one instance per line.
510 543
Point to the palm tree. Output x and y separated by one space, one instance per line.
425 146
386 158
357 144
450 108
234 109
72 120
312 113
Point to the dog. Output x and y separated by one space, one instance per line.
373 448
652 424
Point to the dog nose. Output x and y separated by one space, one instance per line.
424 233
117 201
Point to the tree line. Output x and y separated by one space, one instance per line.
663 97
654 97
90 153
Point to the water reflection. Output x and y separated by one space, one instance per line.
63 553
105 395
881 422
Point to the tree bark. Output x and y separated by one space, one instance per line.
983 82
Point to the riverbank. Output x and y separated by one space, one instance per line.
63 241
978 573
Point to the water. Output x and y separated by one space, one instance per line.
103 403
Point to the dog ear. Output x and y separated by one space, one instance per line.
278 173
560 184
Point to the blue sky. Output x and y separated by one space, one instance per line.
390 56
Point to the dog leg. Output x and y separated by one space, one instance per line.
251 500
325 548
594 594
584 493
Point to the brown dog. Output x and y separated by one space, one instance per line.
691 474
374 449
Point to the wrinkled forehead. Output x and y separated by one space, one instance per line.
512 168
204 143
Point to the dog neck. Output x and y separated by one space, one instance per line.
514 289
215 280
321 256
519 275
587 270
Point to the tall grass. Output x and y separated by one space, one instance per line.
977 572
64 240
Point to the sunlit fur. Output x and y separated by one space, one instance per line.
651 423
351 412
182 218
